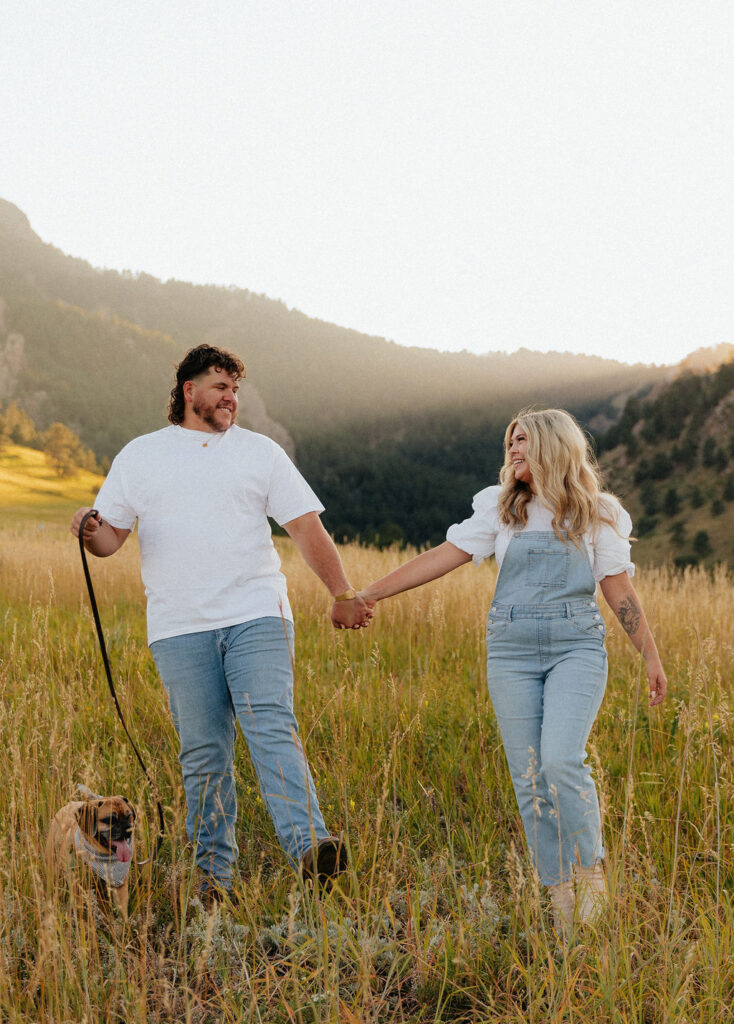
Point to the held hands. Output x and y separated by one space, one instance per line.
352 614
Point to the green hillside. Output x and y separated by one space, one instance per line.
671 459
29 488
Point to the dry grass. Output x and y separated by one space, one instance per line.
438 919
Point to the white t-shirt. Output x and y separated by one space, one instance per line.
483 535
202 500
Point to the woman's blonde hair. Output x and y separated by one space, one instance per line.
566 477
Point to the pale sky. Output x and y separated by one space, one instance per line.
486 175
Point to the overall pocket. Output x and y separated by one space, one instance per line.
590 623
496 627
547 566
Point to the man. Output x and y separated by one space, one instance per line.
219 623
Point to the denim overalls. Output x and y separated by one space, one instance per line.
547 671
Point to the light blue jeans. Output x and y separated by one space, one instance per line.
214 679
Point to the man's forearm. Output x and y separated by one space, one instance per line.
323 558
106 541
319 552
100 538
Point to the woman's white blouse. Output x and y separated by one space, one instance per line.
483 535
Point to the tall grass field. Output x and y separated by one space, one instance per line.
438 917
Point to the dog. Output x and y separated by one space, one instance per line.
98 832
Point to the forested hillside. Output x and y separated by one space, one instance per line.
671 458
395 440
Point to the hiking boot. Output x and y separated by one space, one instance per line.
325 860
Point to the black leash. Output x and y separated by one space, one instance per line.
105 659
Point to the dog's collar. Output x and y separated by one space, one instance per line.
105 865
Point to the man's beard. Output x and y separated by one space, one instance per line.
208 418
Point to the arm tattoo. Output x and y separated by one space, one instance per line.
629 615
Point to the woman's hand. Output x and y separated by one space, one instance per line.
366 596
354 614
657 680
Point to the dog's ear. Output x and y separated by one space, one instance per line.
127 803
87 816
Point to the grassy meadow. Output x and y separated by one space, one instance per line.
438 918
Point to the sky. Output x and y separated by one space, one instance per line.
482 174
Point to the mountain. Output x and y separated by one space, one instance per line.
395 440
671 459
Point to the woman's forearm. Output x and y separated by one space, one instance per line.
427 566
622 598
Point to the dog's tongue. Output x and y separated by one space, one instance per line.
122 850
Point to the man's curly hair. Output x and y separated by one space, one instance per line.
197 361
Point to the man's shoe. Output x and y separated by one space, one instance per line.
325 860
211 892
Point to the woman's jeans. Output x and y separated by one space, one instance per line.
547 671
213 679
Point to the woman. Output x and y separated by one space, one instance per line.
555 536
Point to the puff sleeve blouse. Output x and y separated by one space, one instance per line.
482 535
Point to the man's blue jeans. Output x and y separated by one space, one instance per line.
213 679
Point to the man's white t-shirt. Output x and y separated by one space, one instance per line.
202 501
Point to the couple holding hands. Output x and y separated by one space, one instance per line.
221 633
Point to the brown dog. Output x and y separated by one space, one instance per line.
98 832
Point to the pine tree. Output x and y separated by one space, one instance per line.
702 544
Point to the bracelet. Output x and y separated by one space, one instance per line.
348 595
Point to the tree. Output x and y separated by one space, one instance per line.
649 498
696 497
686 452
642 472
717 507
19 426
671 502
702 544
708 454
728 492
678 533
646 525
388 534
661 466
685 561
63 449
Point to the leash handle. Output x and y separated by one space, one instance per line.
103 648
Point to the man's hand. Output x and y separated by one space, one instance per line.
321 555
352 614
100 538
91 527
